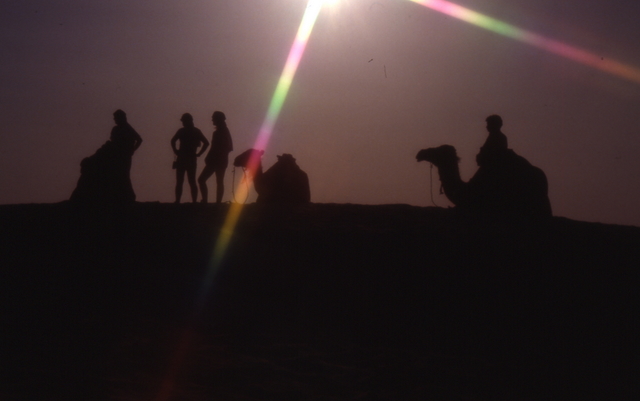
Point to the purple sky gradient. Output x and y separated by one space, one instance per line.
379 80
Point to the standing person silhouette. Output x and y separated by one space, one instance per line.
495 147
124 136
190 140
218 157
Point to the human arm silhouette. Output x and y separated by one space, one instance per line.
205 144
173 142
137 140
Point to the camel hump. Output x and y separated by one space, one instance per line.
284 182
517 161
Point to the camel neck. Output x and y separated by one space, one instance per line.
452 183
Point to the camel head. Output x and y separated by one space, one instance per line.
444 154
251 155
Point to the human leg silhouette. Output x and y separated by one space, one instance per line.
220 183
191 178
202 181
179 181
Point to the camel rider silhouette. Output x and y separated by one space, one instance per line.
493 151
493 173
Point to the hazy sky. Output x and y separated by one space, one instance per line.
379 80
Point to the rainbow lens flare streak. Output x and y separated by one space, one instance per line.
550 45
295 54
233 215
282 89
277 101
445 7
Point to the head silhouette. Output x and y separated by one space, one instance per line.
187 120
494 123
218 118
120 117
287 159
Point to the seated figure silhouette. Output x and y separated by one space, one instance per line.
105 176
495 146
504 184
282 183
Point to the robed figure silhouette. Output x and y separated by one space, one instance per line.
105 176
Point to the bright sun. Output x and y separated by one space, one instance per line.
326 2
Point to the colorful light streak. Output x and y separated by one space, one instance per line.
295 54
224 237
445 7
277 101
533 39
279 96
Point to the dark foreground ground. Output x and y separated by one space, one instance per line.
325 302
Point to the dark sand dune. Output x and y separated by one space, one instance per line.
327 302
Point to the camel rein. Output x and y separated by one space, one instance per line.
244 179
431 185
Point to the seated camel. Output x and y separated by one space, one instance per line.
511 187
283 183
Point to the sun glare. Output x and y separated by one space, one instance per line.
297 50
320 3
295 54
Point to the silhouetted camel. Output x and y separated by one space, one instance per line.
284 182
515 187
